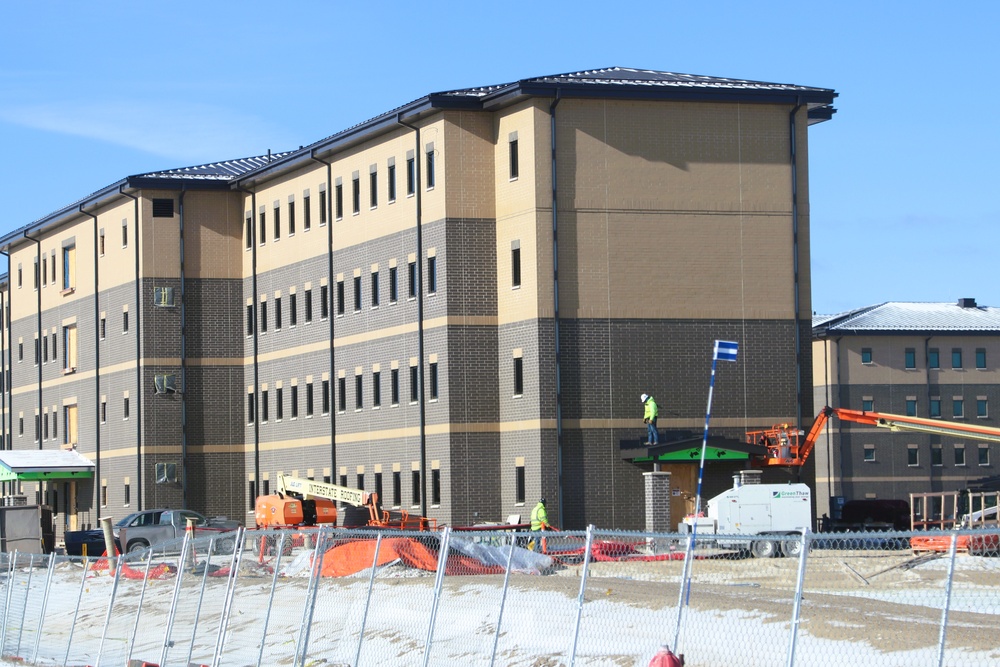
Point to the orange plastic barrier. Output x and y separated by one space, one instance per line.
352 557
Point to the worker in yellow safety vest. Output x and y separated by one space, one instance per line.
539 521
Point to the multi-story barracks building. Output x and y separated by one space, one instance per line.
455 304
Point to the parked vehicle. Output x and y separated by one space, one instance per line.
142 530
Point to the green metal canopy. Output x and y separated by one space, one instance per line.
40 464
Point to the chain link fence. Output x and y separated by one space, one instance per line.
363 597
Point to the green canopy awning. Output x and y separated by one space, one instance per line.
40 464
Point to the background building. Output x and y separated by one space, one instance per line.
936 360
455 304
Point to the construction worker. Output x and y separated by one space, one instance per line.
539 521
649 419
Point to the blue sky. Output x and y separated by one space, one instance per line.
899 180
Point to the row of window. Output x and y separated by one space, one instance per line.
933 357
44 352
937 455
289 227
396 500
934 406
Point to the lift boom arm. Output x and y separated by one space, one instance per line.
307 488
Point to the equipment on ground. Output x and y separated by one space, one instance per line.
763 511
786 445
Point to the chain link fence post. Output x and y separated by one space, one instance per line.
119 563
312 593
45 601
442 564
952 550
368 598
583 588
76 612
503 597
797 604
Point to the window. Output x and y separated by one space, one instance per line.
45 349
378 486
512 150
249 233
911 358
933 358
104 327
430 169
411 176
293 403
326 397
374 289
309 399
125 408
984 454
435 487
359 396
515 266
431 275
250 328
264 406
360 480
935 407
373 187
394 386
69 268
263 228
376 389
982 408
958 408
356 195
125 322
357 294
415 478
19 275
956 357
322 207
866 355
277 221
70 424
279 404
936 456
306 214
277 313
397 488
340 297
100 243
412 271
251 412
35 275
307 298
291 218
341 394
869 453
911 407
104 411
393 284
434 381
391 182
518 376
959 455
293 309
414 384
981 358
912 456
324 302
338 200
38 352
45 426
263 316
69 349
45 270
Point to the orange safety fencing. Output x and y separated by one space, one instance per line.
352 557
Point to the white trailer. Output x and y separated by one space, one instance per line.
760 510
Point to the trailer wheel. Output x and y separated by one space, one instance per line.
764 549
791 548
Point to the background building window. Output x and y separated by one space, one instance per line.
959 455
956 357
933 358
936 456
912 456
984 455
869 453
935 407
958 408
982 407
981 357
911 407
911 358
866 355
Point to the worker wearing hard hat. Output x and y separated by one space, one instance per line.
539 521
649 419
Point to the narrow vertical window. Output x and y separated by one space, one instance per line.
339 200
277 313
958 408
376 389
435 487
960 455
518 376
263 316
429 177
984 454
397 488
279 403
293 309
128 494
411 176
519 486
414 384
910 358
933 358
264 406
357 293
322 207
263 228
415 479
982 407
324 302
309 399
277 221
512 150
356 194
981 358
937 458
100 244
373 189
359 395
251 412
956 357
432 275
125 408
291 218
45 270
375 289
340 297
378 486
326 397
306 214
911 407
104 411
935 408
394 386
250 327
391 182
912 456
293 403
125 322
393 284
412 279
515 266
866 355
360 480
433 381
249 233
308 305
341 394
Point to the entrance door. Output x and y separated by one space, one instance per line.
683 487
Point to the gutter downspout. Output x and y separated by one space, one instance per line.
183 392
793 153
138 354
97 367
420 317
330 281
38 341
8 394
256 342
555 295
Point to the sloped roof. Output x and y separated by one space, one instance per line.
909 317
44 464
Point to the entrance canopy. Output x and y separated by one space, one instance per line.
687 449
44 465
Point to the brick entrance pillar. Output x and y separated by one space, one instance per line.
657 485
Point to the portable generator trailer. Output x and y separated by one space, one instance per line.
762 512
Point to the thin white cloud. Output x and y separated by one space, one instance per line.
187 133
